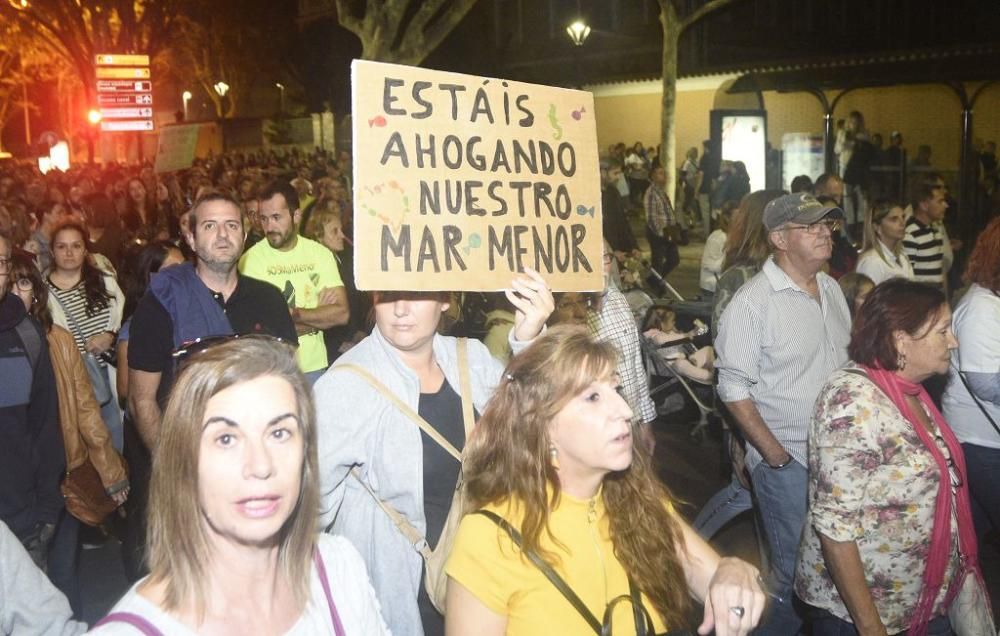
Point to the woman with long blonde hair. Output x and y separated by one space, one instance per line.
558 494
233 542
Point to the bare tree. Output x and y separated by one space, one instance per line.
77 30
23 60
673 27
401 31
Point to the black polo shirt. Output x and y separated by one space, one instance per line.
253 307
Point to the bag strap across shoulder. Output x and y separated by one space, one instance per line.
553 577
403 407
643 621
975 398
31 339
72 320
136 621
338 627
414 536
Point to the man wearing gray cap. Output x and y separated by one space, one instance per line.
783 333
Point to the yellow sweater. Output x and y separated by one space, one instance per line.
487 563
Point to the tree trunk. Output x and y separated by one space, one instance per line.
668 140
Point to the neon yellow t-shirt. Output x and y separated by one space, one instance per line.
300 273
487 563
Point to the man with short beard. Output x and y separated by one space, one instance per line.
305 272
185 303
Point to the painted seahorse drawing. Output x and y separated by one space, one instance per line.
557 131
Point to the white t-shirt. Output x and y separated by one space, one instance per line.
976 323
712 259
882 267
349 585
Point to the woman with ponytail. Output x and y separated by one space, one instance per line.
557 489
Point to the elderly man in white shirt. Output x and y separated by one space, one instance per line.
783 333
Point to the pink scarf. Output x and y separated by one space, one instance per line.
938 556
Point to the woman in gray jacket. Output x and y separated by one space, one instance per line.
361 427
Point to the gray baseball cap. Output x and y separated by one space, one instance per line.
800 207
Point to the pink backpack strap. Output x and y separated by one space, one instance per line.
321 570
134 620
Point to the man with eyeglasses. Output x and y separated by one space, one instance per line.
31 447
783 333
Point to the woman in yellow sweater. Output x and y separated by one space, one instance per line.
571 530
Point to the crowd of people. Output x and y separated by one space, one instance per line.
283 467
294 456
838 374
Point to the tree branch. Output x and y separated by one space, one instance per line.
699 13
348 20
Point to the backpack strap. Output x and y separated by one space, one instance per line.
31 339
136 621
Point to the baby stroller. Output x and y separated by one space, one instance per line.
670 387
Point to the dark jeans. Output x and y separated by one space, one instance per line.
781 500
64 558
826 624
664 256
983 465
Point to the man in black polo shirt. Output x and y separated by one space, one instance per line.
186 302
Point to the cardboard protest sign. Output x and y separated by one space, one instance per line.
461 181
176 148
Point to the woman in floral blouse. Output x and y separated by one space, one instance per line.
888 503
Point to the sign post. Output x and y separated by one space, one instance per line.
461 181
124 92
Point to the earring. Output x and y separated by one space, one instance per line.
554 456
901 361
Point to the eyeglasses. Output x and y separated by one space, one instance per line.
189 350
833 225
5 264
24 284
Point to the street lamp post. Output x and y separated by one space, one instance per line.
186 97
281 97
578 32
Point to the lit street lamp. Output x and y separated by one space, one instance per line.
186 96
221 88
281 99
578 32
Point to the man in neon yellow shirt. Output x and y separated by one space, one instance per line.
303 270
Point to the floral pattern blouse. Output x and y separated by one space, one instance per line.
871 481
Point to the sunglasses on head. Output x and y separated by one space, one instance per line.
192 348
